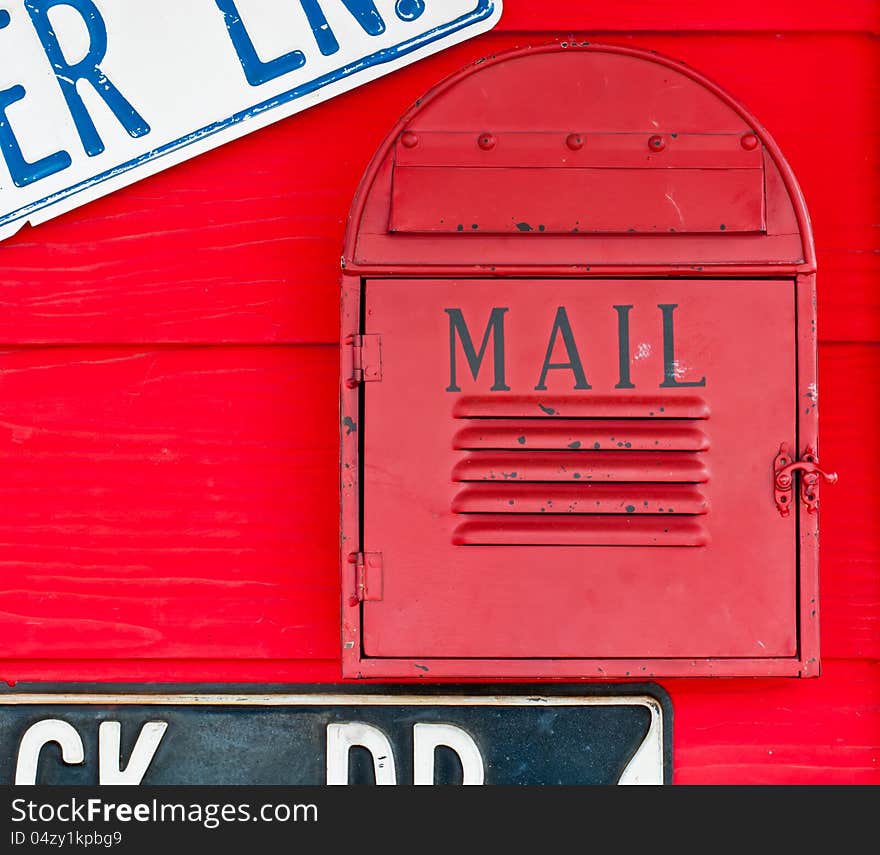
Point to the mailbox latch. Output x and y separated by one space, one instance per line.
784 467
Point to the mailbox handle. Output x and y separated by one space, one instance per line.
784 467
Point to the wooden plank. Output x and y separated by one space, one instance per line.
849 553
176 502
780 731
848 287
203 671
239 245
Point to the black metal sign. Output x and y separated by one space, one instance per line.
336 735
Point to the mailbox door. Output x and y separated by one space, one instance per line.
578 469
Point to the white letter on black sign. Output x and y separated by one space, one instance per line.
40 734
341 738
428 737
109 761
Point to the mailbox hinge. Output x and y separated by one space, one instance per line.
784 467
366 359
368 577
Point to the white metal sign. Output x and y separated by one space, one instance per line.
96 94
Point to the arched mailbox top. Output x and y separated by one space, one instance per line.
579 159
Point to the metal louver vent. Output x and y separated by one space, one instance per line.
603 471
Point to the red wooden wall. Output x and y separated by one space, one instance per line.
168 403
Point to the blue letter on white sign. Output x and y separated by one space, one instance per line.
364 12
21 171
86 69
255 70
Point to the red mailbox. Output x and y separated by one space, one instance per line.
579 426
